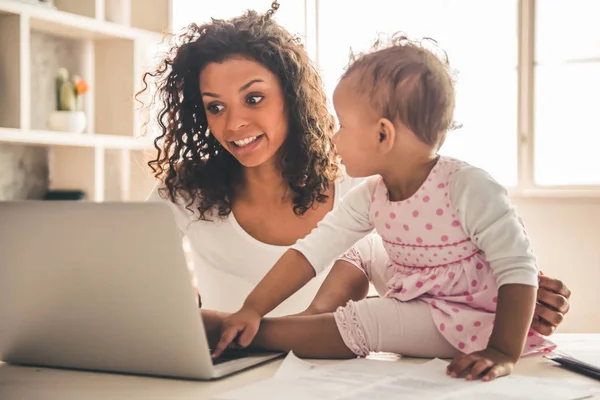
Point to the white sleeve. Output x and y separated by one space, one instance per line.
339 230
490 220
156 197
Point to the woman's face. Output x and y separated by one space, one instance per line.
245 109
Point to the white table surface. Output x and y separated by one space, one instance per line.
18 382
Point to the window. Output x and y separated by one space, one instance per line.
567 84
480 38
290 15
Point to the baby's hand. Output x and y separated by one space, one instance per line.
487 364
244 323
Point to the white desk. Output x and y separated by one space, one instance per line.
53 384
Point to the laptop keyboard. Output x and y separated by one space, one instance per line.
229 355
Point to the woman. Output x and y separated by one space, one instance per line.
246 164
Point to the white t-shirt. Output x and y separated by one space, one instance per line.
229 263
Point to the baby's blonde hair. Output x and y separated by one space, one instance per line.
407 82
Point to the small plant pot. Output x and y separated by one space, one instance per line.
67 121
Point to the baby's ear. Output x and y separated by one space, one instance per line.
386 134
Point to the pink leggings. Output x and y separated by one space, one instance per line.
391 326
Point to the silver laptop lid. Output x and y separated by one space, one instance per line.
100 286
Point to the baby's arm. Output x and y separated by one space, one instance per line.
350 276
336 233
485 212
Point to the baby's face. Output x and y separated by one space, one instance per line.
357 136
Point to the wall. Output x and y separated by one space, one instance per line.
566 237
23 172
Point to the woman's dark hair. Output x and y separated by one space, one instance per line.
191 162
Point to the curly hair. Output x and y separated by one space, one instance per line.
191 162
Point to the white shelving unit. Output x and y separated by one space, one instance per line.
108 161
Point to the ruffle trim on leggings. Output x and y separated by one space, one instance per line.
351 329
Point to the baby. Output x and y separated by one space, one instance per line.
462 276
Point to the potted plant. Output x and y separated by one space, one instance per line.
68 116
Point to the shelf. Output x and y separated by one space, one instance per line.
111 44
64 24
50 138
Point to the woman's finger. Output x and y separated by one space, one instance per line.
541 326
550 316
556 301
554 285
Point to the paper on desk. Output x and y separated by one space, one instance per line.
509 387
298 379
323 385
292 366
378 364
359 379
519 389
426 381
583 347
429 380
353 379
578 342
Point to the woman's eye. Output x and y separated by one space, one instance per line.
215 108
254 99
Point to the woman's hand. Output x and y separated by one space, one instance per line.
487 364
552 305
241 327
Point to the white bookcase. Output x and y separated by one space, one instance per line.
108 161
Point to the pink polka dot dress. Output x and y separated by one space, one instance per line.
432 258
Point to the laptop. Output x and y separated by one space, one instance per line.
103 287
